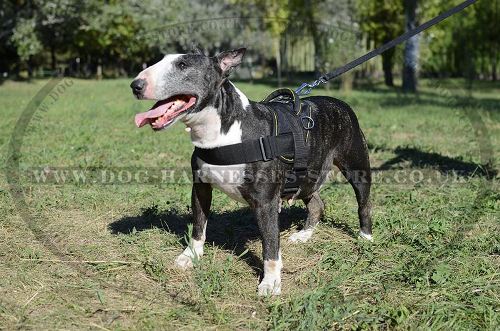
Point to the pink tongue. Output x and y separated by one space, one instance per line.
158 109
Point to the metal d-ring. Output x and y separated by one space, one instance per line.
308 124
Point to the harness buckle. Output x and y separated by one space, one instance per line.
263 150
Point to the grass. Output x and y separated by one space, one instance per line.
87 255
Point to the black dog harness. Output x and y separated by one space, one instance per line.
288 142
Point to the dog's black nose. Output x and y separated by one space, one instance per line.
138 86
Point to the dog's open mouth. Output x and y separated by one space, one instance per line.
164 112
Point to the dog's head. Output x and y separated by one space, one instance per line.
182 84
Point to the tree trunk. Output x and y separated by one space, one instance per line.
29 63
387 64
250 73
411 49
346 82
494 60
313 28
278 58
99 69
53 58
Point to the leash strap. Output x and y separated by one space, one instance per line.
306 88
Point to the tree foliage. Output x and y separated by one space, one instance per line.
124 34
465 44
382 21
25 40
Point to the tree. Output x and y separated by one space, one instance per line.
276 15
9 54
41 25
107 34
26 42
465 44
335 33
411 52
486 29
382 21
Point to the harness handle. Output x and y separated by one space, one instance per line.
306 88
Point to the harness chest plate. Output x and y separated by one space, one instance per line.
292 116
292 120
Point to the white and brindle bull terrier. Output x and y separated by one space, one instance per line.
194 88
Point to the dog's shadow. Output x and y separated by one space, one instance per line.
230 230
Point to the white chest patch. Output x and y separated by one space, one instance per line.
225 178
206 133
206 129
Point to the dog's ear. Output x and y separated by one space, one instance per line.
196 50
230 59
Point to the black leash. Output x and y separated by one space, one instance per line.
306 88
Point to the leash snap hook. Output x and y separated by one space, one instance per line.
306 88
307 122
302 87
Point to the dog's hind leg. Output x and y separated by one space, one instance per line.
362 190
356 169
201 199
315 208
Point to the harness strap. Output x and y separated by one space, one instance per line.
288 108
249 151
287 141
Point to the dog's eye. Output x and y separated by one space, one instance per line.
182 65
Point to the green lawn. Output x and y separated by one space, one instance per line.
88 255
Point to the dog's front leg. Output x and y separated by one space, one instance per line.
267 219
201 199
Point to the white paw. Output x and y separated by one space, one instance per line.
269 287
302 236
184 262
365 236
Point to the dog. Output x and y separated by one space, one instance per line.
194 88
